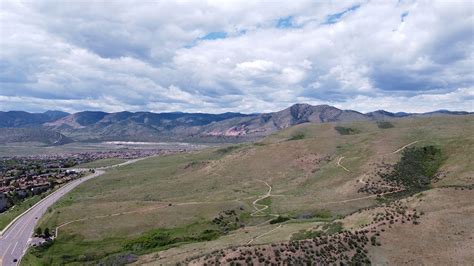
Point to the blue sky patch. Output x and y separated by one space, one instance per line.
214 35
283 23
334 18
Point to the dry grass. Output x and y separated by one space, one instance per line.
200 184
445 235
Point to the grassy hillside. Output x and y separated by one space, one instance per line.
310 173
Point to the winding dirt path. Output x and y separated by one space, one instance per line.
259 208
339 164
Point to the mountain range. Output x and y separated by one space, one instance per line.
15 119
148 126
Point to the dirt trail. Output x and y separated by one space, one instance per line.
137 211
259 208
409 144
108 215
330 202
264 234
257 212
361 180
339 164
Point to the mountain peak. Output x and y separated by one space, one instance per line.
303 105
55 114
296 105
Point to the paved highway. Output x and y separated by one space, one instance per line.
15 240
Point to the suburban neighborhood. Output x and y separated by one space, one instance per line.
23 177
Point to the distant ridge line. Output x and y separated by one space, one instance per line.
191 127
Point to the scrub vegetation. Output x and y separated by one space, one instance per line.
346 130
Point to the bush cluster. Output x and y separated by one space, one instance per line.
384 124
346 130
416 168
280 219
297 137
162 238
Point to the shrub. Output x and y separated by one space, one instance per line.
346 130
39 250
333 228
384 124
38 231
151 240
46 232
323 214
279 219
164 238
306 234
416 168
297 137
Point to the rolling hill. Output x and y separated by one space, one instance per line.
308 189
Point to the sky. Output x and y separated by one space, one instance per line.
240 56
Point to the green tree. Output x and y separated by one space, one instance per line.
38 231
46 232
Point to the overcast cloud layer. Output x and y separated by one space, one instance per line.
245 56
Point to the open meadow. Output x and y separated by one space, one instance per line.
308 175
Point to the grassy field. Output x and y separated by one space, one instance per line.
300 164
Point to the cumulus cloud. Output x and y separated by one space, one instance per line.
219 56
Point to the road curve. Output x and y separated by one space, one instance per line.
15 239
